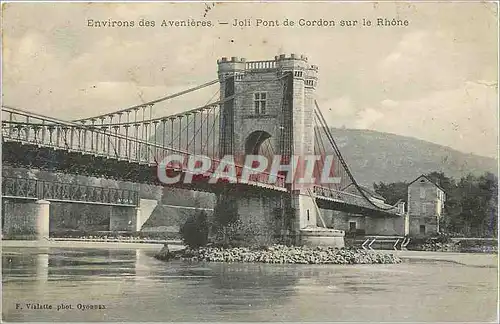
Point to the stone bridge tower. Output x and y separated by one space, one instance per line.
269 101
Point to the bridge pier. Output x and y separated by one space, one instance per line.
249 219
26 219
131 219
307 218
305 211
266 220
123 219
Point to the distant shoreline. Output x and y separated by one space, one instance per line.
89 244
467 259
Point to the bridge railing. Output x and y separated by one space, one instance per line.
29 128
24 188
262 178
352 199
19 126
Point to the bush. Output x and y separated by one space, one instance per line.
194 232
237 234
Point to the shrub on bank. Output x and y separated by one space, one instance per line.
280 254
194 232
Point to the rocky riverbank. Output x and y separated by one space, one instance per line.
459 246
281 254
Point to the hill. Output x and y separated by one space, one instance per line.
374 156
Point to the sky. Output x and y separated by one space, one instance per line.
435 79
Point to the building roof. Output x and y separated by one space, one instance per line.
367 191
428 179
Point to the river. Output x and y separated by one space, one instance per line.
130 285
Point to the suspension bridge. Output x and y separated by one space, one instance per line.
261 107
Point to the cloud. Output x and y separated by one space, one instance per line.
461 118
434 79
389 103
410 46
368 118
337 111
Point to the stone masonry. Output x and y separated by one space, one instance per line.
286 80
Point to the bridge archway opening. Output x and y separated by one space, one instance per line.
259 143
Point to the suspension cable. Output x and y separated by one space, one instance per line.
340 170
152 102
211 132
319 114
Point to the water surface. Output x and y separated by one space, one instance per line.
133 286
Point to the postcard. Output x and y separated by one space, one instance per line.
250 161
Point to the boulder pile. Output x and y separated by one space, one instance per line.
282 254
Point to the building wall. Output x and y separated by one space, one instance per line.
334 219
340 220
25 219
245 120
83 217
307 212
425 205
257 214
123 218
397 226
252 80
262 76
19 217
394 226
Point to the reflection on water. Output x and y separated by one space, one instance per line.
133 286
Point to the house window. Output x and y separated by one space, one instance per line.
259 100
422 229
308 215
352 226
424 209
422 193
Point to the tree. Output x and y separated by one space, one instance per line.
195 230
478 205
442 180
393 192
488 186
471 205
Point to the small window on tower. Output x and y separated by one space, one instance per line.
422 193
260 99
